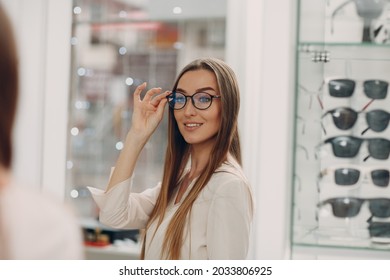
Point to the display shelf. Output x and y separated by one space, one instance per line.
343 44
339 237
340 81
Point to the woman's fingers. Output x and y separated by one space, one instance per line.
156 100
150 93
149 110
161 106
138 90
152 96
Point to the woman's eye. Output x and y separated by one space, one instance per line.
180 99
204 99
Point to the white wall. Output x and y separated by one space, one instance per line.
260 47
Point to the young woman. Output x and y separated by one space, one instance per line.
32 226
203 208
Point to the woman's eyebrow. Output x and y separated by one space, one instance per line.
198 90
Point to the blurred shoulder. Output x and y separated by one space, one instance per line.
40 226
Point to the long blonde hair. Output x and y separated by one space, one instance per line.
178 153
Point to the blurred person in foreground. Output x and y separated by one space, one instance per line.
32 225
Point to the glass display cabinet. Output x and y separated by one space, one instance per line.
342 140
116 46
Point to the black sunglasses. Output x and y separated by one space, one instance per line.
348 207
374 89
345 118
348 146
349 176
379 229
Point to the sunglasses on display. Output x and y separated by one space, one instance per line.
201 100
379 229
348 146
345 118
348 207
374 89
350 176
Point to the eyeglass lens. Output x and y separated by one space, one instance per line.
377 120
374 89
346 176
344 118
379 148
348 146
341 87
380 177
348 207
379 207
350 176
379 229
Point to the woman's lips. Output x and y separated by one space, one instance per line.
192 126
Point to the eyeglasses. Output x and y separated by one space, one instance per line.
348 207
374 89
349 176
200 100
348 146
345 118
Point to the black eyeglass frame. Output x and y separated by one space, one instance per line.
192 99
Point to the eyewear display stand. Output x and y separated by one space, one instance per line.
341 195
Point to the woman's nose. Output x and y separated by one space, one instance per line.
189 108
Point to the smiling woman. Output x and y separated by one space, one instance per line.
203 208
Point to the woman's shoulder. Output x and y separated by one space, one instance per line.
231 169
228 178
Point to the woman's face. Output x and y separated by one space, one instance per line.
199 127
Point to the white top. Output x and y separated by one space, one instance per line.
220 221
38 227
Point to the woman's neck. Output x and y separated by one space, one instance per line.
200 156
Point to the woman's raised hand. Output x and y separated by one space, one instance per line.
148 112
